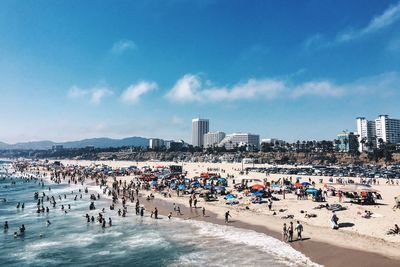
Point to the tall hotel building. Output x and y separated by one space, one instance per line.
383 127
199 128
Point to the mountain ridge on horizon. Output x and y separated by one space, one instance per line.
98 142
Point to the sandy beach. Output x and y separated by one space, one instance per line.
364 239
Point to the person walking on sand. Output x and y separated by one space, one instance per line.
299 228
284 233
269 204
290 231
190 202
227 215
204 211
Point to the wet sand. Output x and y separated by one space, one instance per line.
319 252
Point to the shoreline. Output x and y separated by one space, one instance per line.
319 252
333 248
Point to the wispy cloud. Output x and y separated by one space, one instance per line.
317 88
135 91
390 16
387 18
95 94
123 46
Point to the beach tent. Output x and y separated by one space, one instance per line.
258 187
357 188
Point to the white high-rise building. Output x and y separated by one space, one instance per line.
199 128
366 133
213 139
388 129
371 132
239 140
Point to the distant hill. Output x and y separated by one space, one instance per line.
96 142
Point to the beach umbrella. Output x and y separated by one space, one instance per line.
258 194
221 179
196 184
298 184
207 186
311 190
230 196
181 187
257 187
275 186
305 184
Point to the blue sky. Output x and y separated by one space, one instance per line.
288 69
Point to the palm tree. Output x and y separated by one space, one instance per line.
363 141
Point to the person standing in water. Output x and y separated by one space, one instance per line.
142 211
155 213
5 227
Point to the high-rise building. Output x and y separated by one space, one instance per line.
371 132
213 139
199 128
387 129
234 140
366 134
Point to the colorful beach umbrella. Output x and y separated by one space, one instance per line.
258 187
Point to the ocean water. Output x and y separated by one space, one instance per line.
131 241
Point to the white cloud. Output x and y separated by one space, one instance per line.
387 18
135 91
319 88
122 46
190 88
95 94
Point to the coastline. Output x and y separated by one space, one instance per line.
319 252
324 246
